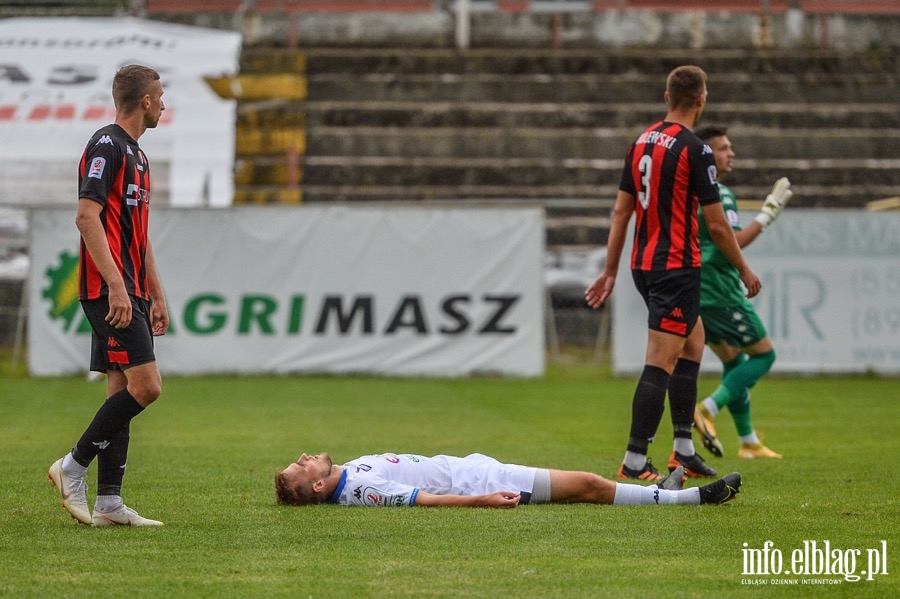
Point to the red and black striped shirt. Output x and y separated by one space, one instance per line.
669 171
115 173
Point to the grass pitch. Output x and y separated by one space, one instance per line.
202 460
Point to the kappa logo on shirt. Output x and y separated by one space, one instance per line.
106 139
97 166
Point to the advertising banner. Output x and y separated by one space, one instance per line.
830 299
397 291
56 90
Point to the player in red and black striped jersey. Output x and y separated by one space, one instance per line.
115 173
121 294
668 173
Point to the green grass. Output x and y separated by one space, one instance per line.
202 460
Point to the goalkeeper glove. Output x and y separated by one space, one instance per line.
775 202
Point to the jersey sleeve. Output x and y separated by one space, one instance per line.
377 492
101 163
626 183
705 175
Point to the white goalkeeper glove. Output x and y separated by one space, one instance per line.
775 202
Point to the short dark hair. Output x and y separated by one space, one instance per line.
710 131
131 83
685 86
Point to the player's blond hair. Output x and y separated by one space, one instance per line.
294 493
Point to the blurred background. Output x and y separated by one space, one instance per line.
465 103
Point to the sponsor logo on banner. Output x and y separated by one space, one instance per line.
55 79
61 291
207 313
297 299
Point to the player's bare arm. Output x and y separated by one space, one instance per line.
601 288
91 228
500 499
159 313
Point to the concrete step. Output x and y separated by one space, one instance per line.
391 170
268 194
363 61
270 141
600 88
353 113
604 143
287 86
806 195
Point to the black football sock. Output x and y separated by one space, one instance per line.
111 463
647 408
682 400
116 412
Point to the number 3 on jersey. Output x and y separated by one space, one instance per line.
645 166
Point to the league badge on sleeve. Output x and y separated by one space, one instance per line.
97 167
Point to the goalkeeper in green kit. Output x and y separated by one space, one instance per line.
734 331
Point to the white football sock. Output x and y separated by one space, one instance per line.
107 503
627 494
684 446
72 468
750 439
635 461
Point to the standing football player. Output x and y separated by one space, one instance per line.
734 331
121 294
668 173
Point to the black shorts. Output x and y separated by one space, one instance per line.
672 298
113 348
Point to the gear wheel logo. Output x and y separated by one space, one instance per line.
62 291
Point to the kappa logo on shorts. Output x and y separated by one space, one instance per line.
676 313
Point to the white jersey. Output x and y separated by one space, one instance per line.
389 479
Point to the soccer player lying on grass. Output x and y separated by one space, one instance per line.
476 480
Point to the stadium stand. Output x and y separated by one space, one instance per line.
319 124
535 122
549 125
80 8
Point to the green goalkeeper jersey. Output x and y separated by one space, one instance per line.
720 284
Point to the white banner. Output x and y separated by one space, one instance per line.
830 299
398 291
56 90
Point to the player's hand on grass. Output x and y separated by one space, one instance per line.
775 202
501 499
